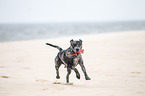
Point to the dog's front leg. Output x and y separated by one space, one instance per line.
77 72
68 73
84 71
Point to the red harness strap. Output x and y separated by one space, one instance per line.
70 55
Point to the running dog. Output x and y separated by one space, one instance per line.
70 57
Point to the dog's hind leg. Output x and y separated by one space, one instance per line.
57 65
57 71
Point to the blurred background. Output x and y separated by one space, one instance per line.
44 19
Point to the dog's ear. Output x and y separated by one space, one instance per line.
80 40
71 40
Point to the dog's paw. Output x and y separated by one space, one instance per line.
88 78
56 82
58 77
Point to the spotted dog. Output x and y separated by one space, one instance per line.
70 57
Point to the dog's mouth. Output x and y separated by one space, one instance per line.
80 51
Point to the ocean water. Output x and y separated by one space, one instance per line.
15 32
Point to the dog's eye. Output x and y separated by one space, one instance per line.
79 44
74 45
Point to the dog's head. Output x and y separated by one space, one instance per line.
76 45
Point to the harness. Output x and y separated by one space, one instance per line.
81 52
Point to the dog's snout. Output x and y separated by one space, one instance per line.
77 49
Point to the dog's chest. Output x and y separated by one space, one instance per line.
75 62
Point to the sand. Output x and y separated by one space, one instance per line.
115 63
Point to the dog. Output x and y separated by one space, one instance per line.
70 57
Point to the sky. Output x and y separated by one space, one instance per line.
45 11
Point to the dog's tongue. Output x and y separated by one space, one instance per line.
81 51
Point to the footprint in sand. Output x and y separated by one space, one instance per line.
140 92
45 89
136 72
2 67
40 80
62 83
4 77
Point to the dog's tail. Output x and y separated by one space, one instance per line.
59 48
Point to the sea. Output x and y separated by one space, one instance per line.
31 31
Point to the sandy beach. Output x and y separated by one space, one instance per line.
115 62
